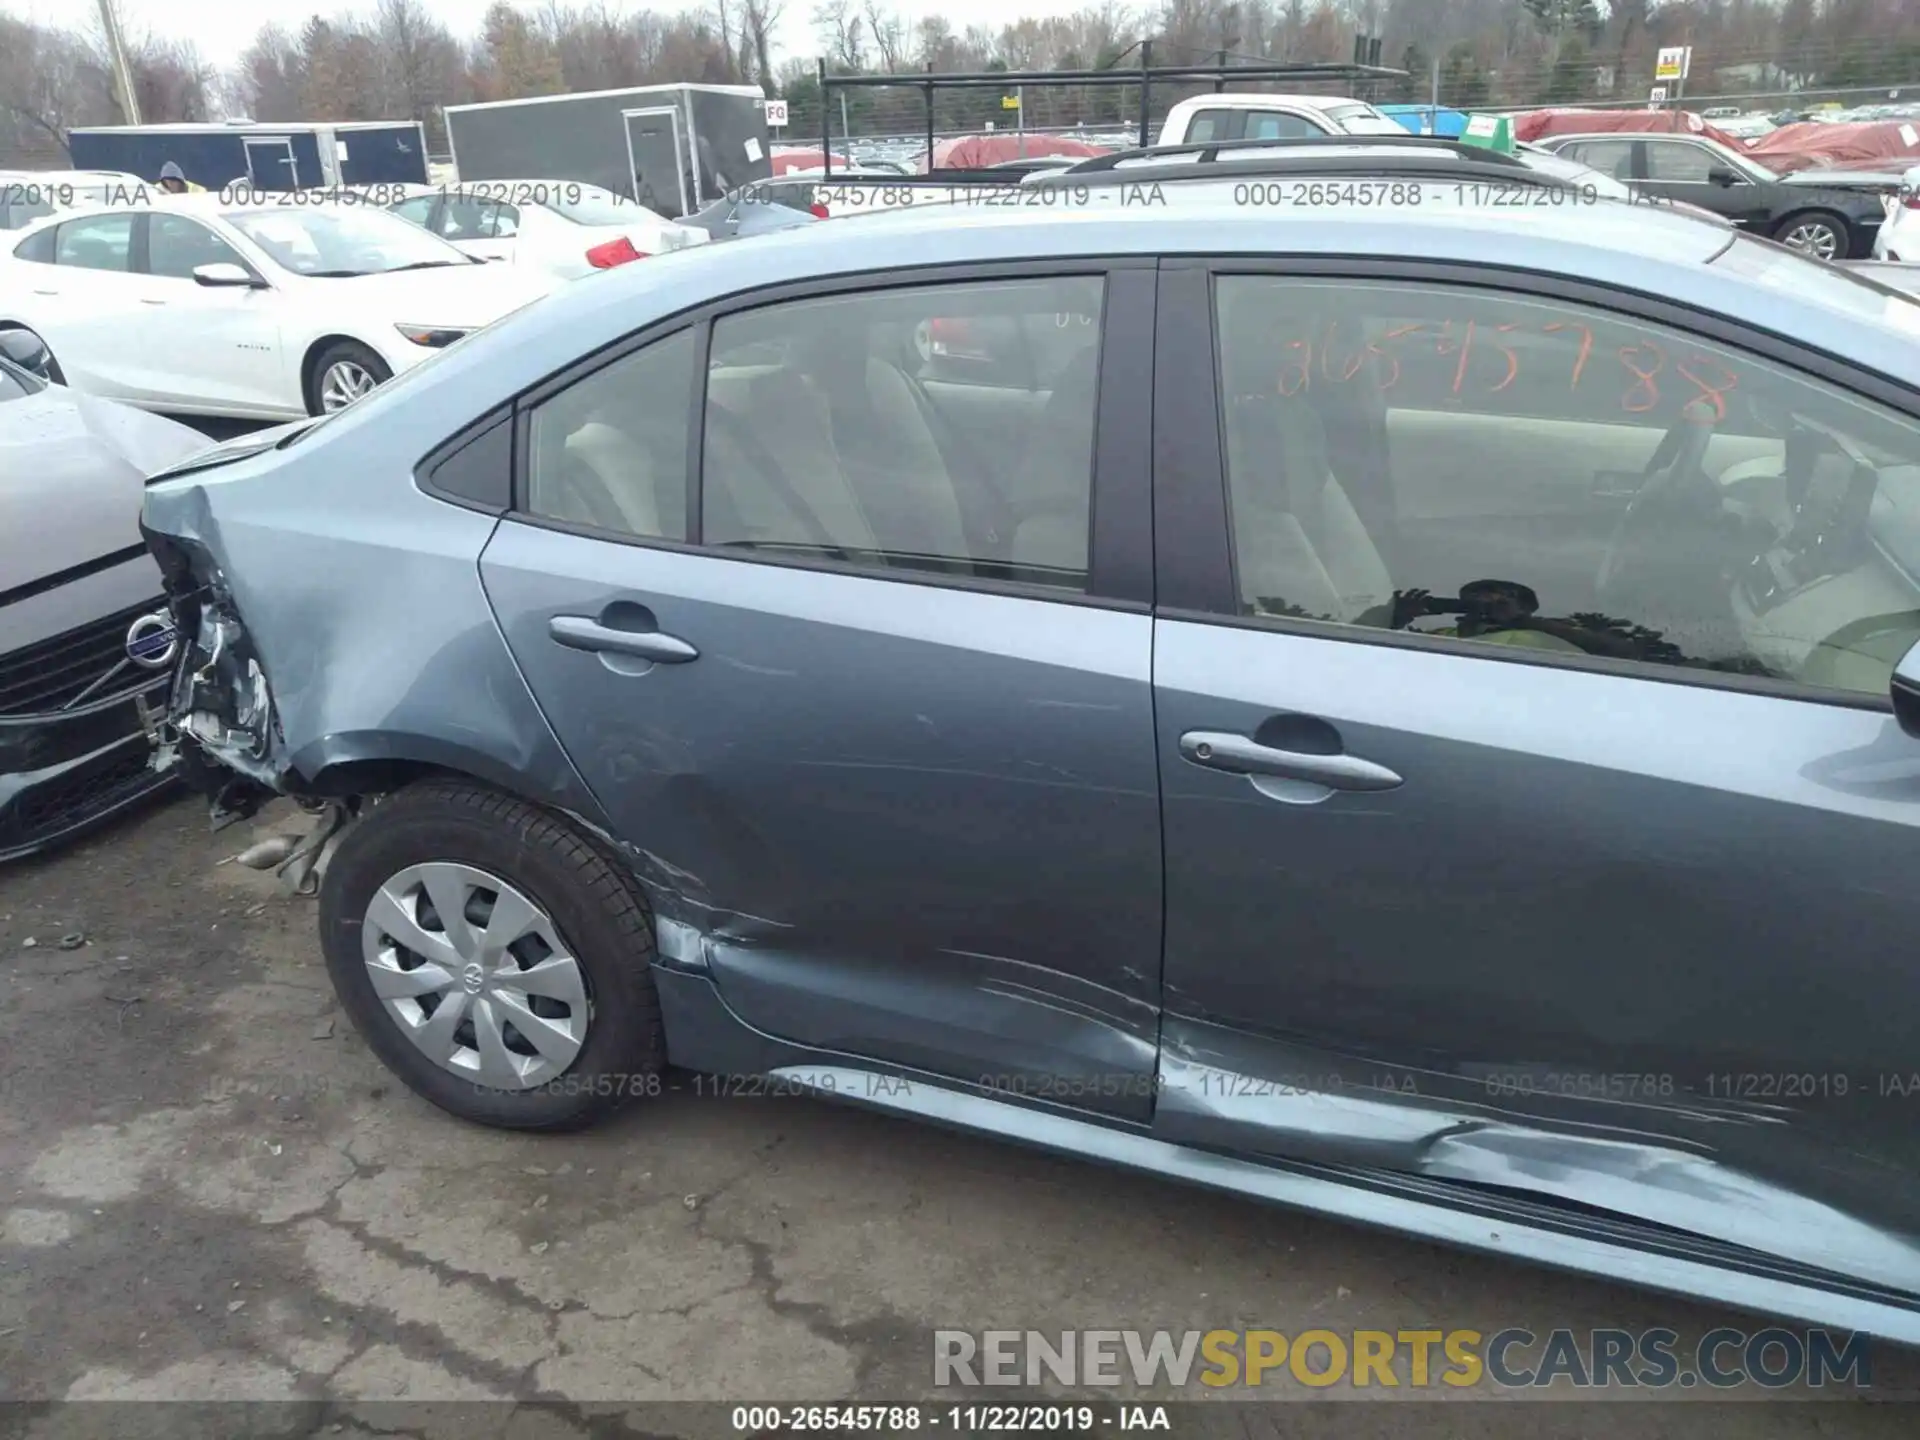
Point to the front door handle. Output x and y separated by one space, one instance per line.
577 632
1237 755
145 301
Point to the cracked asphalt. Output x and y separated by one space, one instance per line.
210 1191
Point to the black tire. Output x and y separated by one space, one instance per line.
53 366
342 352
1805 220
594 902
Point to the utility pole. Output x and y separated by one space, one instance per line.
117 58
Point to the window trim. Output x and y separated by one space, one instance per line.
1120 572
1193 532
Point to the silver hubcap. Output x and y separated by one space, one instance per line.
345 382
475 974
1815 239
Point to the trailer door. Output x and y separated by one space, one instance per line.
270 164
657 157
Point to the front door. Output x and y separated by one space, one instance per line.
659 160
883 744
1556 847
214 345
1681 169
270 165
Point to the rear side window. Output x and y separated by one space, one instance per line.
610 451
1208 126
1270 125
96 242
833 430
1609 157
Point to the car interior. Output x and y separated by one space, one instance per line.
1411 458
832 429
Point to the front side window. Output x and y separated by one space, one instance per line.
96 242
1679 162
833 430
177 245
1495 470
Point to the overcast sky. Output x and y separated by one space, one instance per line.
222 29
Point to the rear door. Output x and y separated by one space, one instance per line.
82 301
1589 880
886 751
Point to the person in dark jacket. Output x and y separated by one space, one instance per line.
174 182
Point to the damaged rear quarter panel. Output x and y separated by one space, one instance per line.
360 596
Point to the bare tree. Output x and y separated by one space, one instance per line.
762 17
842 31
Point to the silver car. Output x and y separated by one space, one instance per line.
1413 718
85 637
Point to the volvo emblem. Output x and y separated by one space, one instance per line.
152 641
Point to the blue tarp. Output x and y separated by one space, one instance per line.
1427 120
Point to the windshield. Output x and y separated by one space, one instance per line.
587 204
342 240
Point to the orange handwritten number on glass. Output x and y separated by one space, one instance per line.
1300 371
1513 360
1387 374
1353 363
1714 395
1586 348
1644 394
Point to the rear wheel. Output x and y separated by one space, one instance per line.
345 372
495 958
1816 233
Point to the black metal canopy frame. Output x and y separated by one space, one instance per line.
929 82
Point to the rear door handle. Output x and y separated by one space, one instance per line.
145 301
577 632
1237 755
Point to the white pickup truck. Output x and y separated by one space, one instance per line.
1211 119
1205 119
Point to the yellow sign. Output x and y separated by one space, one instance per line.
1009 102
1672 62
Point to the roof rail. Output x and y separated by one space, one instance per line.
1208 151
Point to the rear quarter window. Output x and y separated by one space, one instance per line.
37 247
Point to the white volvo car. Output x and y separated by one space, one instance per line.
262 309
562 228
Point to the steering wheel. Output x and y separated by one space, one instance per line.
1674 483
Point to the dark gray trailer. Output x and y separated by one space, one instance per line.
672 148
266 155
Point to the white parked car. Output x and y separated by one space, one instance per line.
1899 237
30 195
563 228
192 305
